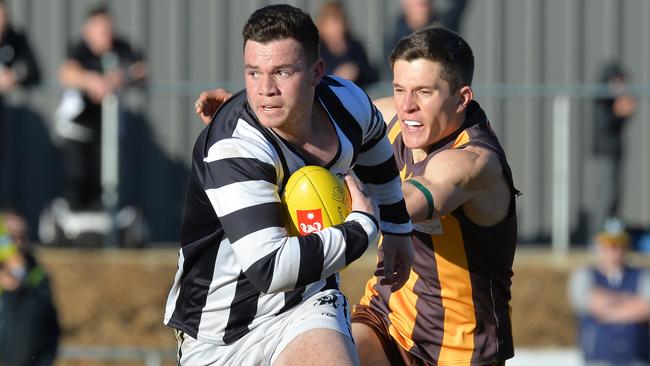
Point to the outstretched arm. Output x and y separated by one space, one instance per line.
471 177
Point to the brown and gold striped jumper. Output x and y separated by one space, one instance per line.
455 307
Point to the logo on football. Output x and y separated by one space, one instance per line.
309 221
314 199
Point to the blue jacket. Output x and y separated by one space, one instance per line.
618 344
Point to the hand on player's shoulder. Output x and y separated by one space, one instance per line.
209 101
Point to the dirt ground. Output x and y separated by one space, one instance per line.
117 297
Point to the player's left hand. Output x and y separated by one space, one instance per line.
395 268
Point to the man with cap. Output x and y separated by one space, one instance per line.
612 301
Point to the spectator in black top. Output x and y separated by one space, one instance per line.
96 67
18 65
29 328
611 114
417 14
343 54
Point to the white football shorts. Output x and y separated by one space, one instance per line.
262 345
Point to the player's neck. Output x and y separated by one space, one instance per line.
315 138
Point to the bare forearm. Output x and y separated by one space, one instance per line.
632 309
74 76
608 306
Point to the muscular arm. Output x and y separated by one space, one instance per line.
471 177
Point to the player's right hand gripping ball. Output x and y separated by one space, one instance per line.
314 199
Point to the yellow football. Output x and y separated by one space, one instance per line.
314 199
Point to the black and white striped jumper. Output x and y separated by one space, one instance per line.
237 267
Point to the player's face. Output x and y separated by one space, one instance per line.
427 109
280 82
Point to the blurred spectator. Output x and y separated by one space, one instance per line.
453 15
99 65
417 14
344 55
16 227
610 117
29 329
18 65
612 301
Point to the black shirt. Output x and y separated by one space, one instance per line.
121 56
15 53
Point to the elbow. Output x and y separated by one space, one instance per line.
265 285
258 282
261 275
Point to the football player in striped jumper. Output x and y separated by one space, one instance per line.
246 293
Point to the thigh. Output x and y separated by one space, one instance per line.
319 347
374 343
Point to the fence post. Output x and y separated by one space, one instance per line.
560 235
110 164
153 359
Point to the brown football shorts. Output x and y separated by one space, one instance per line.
396 355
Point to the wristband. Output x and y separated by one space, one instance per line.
425 192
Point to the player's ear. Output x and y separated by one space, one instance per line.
465 96
318 70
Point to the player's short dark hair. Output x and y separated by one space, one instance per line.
439 45
277 22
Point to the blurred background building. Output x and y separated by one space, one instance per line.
537 76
